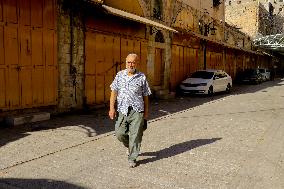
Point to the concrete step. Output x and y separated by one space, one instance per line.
27 118
164 94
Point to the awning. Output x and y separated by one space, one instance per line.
136 18
219 42
271 42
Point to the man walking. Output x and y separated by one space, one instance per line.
131 89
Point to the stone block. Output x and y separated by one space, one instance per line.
27 118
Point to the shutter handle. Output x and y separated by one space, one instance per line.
28 47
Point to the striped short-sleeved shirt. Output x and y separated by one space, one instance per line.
130 91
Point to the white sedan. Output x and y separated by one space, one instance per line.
207 82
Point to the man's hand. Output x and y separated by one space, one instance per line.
146 105
112 113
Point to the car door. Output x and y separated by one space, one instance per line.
224 81
217 82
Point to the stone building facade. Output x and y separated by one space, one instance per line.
266 17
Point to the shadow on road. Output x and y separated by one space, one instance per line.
176 149
90 124
36 184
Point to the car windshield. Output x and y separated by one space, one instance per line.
202 74
250 72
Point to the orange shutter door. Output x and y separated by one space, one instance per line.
11 11
143 58
37 47
12 60
158 67
108 66
180 65
127 46
116 55
36 13
187 61
38 83
26 48
49 47
25 77
13 89
50 86
2 87
90 46
3 68
124 52
49 14
136 47
101 40
173 67
1 11
25 12
25 72
183 67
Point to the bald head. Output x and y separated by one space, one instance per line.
131 62
131 57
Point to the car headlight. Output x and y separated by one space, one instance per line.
203 84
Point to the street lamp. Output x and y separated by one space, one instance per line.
206 25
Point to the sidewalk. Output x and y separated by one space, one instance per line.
228 141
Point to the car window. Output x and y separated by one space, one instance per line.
218 75
223 75
202 74
251 72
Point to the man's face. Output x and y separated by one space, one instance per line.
131 62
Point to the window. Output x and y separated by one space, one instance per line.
216 3
159 37
157 10
270 9
230 2
239 2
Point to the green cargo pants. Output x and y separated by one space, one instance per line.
129 131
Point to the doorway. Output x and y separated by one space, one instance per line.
158 67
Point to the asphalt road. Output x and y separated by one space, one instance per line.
226 141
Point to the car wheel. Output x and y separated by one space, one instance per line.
228 89
210 91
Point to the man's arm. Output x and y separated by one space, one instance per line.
146 107
112 112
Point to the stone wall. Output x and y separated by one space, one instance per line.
244 15
70 58
261 22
